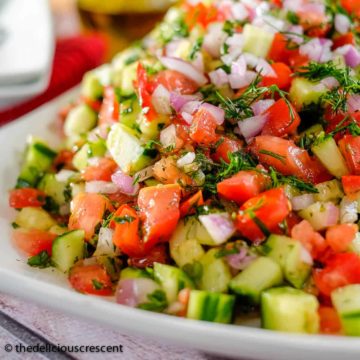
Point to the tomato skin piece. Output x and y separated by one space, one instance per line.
352 6
126 235
242 186
340 270
159 211
271 207
201 14
351 184
203 128
280 122
33 241
26 197
87 212
339 237
84 277
189 206
282 78
279 51
109 112
350 148
226 146
345 39
329 320
173 80
157 254
64 160
100 172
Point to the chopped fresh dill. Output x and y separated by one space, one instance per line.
274 155
196 48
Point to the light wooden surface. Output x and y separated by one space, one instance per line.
57 328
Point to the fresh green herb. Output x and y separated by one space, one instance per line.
351 126
21 184
150 150
97 284
228 27
274 155
107 220
177 28
14 225
157 302
67 193
51 205
225 252
124 219
251 212
160 126
41 260
225 48
136 179
131 59
196 48
292 18
194 270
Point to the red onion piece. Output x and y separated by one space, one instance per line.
217 113
191 106
293 30
251 60
235 43
239 11
177 101
353 102
161 100
198 62
168 136
219 226
238 82
186 159
252 126
238 67
105 244
302 201
184 68
259 107
64 175
187 117
133 292
348 210
265 69
124 183
241 260
101 187
342 23
330 82
351 55
214 39
317 50
292 5
219 77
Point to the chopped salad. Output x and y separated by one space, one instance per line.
212 170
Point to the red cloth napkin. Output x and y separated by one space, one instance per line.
73 58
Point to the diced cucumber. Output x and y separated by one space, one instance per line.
289 310
112 265
330 156
305 92
126 149
53 188
37 160
34 218
133 273
130 110
321 215
88 150
79 121
257 41
172 280
184 248
208 306
67 249
216 273
262 274
347 303
289 254
91 87
315 130
329 191
128 78
151 129
58 230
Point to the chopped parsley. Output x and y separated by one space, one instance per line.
41 260
124 219
97 284
196 48
274 155
157 302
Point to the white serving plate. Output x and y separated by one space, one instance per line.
50 288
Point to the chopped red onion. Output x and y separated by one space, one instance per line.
168 136
351 55
348 210
101 187
342 23
184 68
239 67
191 106
187 117
265 69
105 244
124 183
239 261
302 201
217 113
231 56
317 50
172 47
144 174
239 11
353 102
251 60
161 100
259 107
94 161
177 101
292 31
198 62
186 159
133 292
330 82
252 126
235 43
312 7
219 78
238 82
214 39
64 175
219 226
292 5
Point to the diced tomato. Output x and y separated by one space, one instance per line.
94 104
183 297
242 186
350 148
159 208
282 78
352 6
126 235
284 156
201 14
203 127
345 39
283 119
279 50
90 279
145 89
339 237
157 254
318 172
314 23
340 270
188 206
166 171
264 211
26 197
297 60
292 220
33 241
118 199
88 210
109 112
100 172
329 320
176 81
64 160
226 146
310 239
351 184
